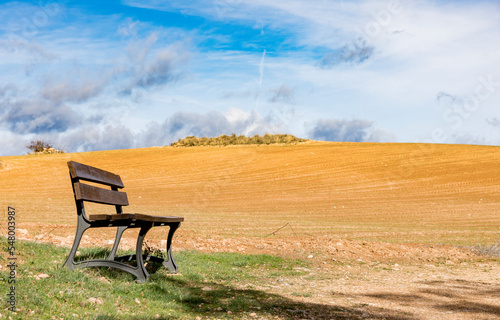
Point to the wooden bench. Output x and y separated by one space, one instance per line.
122 221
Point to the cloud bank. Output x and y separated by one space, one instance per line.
348 130
210 124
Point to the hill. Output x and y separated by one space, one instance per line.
368 191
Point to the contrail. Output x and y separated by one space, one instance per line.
261 67
261 71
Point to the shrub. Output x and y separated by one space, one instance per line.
225 140
38 145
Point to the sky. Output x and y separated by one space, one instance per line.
101 75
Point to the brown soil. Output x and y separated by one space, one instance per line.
385 226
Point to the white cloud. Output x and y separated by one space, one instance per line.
128 28
360 130
12 144
91 138
283 94
27 116
412 43
210 124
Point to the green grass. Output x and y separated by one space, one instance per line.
216 285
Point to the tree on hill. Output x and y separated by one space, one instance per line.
38 145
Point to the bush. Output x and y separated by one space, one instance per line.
225 140
40 146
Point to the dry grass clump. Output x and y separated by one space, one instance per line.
492 250
48 151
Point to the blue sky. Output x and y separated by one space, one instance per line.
89 75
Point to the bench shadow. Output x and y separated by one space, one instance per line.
210 300
218 300
450 295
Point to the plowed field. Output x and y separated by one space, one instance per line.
410 205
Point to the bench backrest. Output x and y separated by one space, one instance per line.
85 192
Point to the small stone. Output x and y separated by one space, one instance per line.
163 245
104 280
92 300
41 276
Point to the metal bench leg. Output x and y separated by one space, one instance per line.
169 262
119 233
81 226
143 274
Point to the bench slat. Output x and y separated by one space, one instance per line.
111 217
134 216
88 173
100 195
151 218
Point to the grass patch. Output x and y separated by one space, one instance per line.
216 285
302 294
